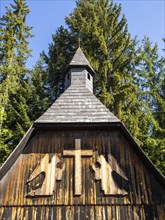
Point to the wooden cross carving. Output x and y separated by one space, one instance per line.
77 154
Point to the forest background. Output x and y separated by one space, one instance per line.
130 78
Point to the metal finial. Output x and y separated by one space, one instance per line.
79 41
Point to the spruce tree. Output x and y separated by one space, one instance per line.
40 98
59 55
111 51
14 52
160 103
108 46
122 68
150 80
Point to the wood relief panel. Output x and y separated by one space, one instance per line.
109 172
45 176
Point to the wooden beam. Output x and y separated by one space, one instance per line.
77 154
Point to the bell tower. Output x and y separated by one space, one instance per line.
79 69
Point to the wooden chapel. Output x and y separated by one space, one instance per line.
78 161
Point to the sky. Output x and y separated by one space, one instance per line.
144 17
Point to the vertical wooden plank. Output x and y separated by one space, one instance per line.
59 212
1 212
71 168
78 169
91 213
34 213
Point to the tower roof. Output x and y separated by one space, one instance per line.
79 60
77 104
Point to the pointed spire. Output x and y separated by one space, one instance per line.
79 60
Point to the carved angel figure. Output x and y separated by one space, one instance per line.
103 171
51 173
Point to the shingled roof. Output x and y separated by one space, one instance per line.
80 60
77 104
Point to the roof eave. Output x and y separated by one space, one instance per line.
87 67
81 125
118 125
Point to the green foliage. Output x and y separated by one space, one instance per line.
40 97
5 134
18 120
59 56
150 80
14 52
111 51
129 77
129 81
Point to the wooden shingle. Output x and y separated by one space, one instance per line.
77 104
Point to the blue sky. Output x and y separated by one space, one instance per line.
145 17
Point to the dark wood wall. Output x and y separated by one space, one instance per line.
98 212
145 195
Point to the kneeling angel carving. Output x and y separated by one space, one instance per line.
104 172
51 173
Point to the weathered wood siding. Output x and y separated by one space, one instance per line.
145 199
99 212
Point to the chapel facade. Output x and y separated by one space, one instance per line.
78 161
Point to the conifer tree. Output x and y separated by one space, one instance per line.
59 55
108 46
39 101
160 103
14 52
150 80
125 74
